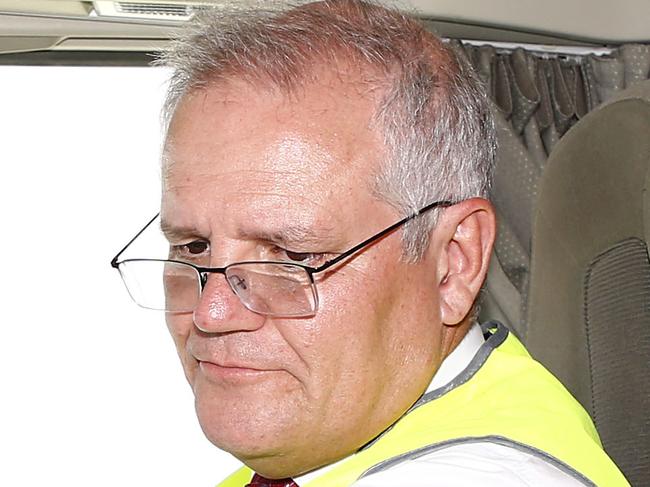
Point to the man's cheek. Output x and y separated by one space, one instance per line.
179 328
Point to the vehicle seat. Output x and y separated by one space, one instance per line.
588 309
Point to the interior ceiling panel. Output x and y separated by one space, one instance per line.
603 21
130 26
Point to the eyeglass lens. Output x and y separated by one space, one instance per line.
273 289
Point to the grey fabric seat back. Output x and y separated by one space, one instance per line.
588 307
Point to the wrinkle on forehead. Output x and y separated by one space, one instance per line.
267 210
266 162
285 157
291 171
349 102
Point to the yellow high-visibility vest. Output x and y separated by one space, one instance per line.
504 397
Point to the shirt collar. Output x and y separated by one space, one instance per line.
458 359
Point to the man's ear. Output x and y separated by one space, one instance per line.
464 237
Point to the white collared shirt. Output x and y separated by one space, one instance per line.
482 464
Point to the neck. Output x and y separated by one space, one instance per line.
452 335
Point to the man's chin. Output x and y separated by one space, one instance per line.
252 443
243 420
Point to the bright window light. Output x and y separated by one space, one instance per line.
92 390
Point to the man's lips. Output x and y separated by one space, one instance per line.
234 373
234 365
235 360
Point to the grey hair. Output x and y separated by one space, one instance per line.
437 128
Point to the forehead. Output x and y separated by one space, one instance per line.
236 145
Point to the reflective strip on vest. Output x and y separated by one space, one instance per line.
504 397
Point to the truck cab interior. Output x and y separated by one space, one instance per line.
569 85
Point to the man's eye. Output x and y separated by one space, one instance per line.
192 248
299 256
197 247
307 258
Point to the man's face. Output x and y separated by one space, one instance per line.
254 175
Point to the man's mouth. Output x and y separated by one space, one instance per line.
233 373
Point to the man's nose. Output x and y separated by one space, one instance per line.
219 310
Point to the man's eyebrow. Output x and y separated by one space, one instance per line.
293 234
288 235
173 232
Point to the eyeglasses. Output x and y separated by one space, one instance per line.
271 288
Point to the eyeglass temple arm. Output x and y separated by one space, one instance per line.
330 263
114 261
349 252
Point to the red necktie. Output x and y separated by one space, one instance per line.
259 481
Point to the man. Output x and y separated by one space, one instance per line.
293 136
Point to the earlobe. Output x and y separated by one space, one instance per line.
467 230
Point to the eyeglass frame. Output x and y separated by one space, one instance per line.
204 271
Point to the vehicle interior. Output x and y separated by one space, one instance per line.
569 84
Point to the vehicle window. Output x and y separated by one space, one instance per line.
97 395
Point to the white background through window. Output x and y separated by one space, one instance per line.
92 391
